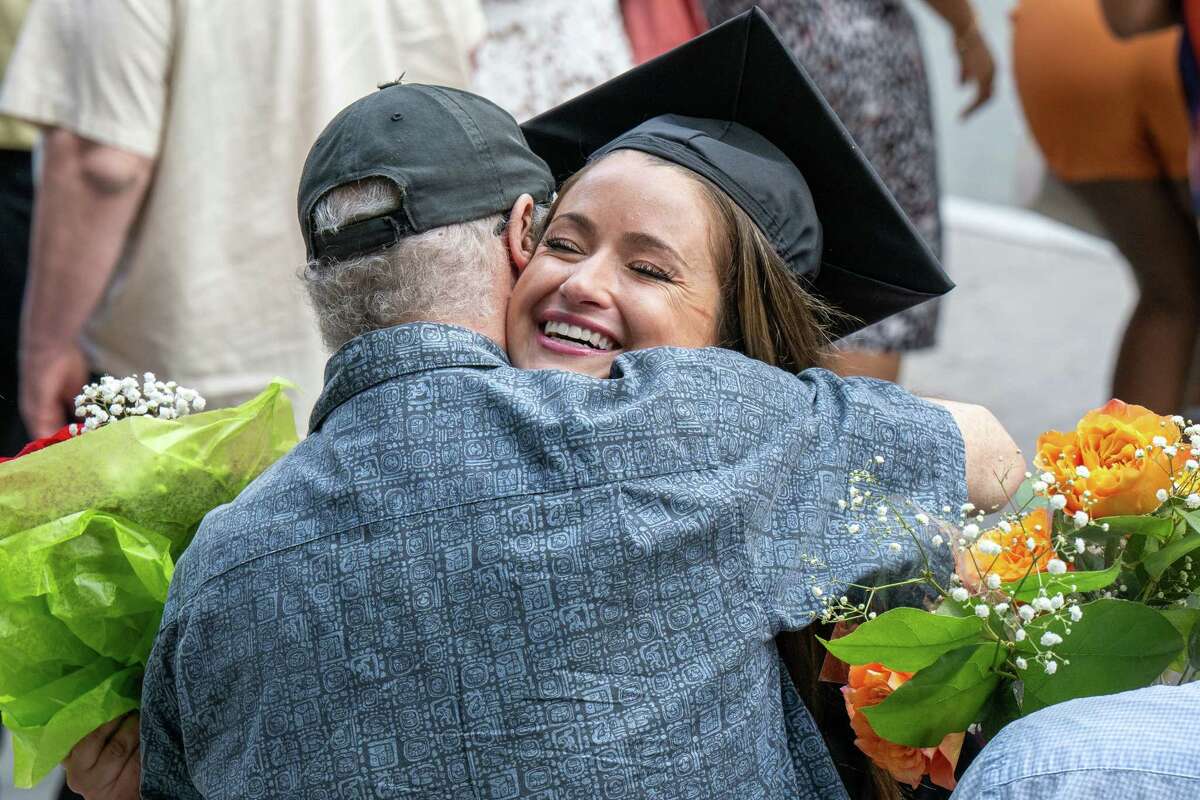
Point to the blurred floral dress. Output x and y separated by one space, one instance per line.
865 56
539 53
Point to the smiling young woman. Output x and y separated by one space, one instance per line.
640 252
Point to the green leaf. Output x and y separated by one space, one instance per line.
1184 620
1066 583
1117 645
1157 562
1192 518
1159 528
943 698
1001 709
906 639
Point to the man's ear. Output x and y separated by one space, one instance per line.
519 234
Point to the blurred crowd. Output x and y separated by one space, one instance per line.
151 151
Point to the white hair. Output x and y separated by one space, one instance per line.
443 274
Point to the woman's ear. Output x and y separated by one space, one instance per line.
520 233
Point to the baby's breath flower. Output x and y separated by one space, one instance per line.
1082 471
1159 441
878 459
1040 486
937 540
1027 613
1005 526
1021 663
842 504
1171 450
1020 634
1051 667
1080 544
1080 519
970 530
1076 613
967 508
1047 477
1192 500
1139 453
993 581
922 518
1162 495
894 547
817 591
854 527
1041 604
1056 566
960 594
1001 608
1058 502
1049 639
989 547
982 611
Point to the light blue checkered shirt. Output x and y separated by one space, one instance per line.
1140 744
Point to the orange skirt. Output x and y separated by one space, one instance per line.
1099 107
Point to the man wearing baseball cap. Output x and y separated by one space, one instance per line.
476 581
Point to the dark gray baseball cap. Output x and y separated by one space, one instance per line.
454 156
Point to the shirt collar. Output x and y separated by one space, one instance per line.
383 355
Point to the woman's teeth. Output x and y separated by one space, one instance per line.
577 335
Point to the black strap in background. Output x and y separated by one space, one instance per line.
360 238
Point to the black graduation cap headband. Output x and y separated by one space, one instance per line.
734 106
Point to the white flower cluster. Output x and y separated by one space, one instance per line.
112 399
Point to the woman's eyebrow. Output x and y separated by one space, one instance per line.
653 242
585 224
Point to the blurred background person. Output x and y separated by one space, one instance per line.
656 26
1110 119
865 56
538 53
163 230
16 209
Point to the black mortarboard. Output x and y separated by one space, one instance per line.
454 156
734 106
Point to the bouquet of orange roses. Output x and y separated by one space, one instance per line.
1086 586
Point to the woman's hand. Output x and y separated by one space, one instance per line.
975 66
106 764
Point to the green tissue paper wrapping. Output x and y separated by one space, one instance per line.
90 529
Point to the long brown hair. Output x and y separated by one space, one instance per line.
767 314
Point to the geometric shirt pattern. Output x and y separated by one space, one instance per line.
473 581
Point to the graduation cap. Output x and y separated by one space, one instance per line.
736 107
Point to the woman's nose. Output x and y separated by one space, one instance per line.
590 284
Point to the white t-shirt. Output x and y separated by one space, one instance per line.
228 96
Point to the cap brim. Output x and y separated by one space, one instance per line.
874 262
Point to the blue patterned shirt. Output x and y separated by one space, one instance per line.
473 581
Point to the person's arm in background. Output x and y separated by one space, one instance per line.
975 63
995 466
88 197
103 110
1128 18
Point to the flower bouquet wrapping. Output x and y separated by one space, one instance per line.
90 528
1085 586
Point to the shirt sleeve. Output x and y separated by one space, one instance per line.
804 544
164 763
99 70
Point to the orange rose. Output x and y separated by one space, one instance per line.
869 684
1016 560
1107 441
